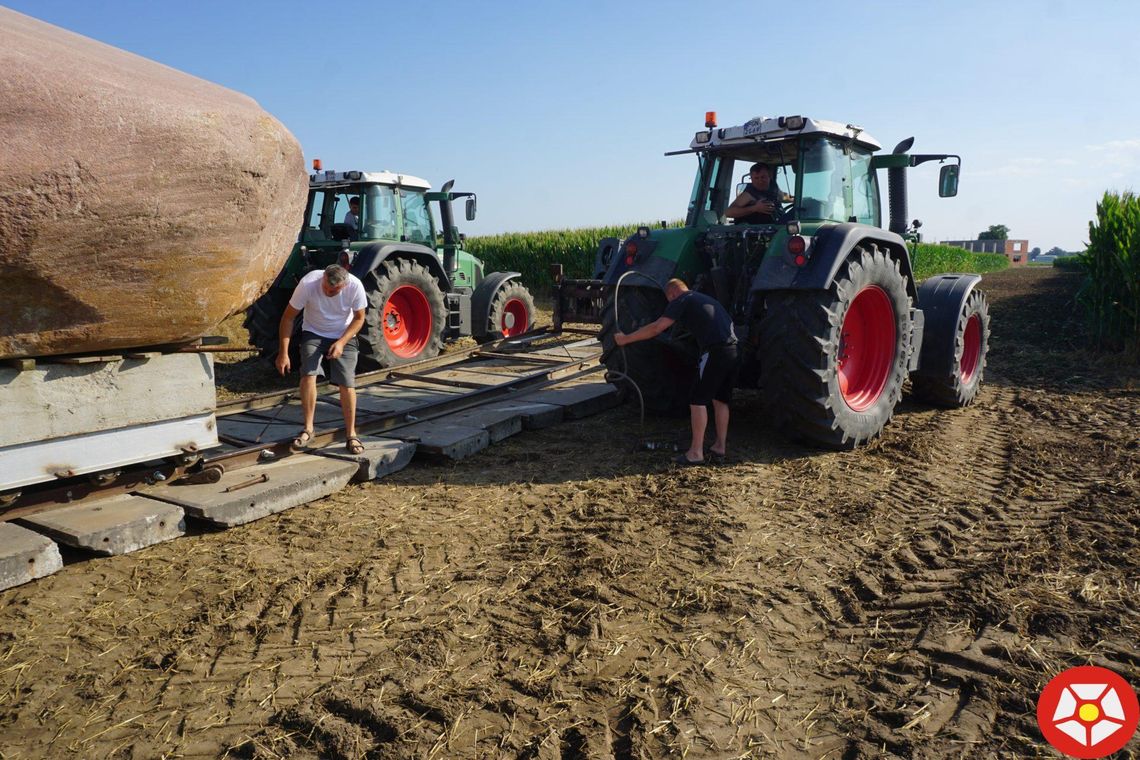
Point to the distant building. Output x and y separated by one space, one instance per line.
1017 251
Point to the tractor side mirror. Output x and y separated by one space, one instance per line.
948 181
470 209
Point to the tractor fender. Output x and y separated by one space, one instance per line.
372 256
482 299
827 251
941 299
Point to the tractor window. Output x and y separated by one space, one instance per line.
826 181
705 188
417 218
380 218
866 190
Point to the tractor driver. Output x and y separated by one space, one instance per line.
352 216
761 199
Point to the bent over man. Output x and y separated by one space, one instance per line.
333 302
711 325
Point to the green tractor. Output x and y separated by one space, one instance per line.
421 292
830 318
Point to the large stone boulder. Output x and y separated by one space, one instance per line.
138 205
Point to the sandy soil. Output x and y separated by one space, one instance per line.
566 595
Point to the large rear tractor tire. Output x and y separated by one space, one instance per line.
263 320
960 386
834 361
405 317
661 368
512 313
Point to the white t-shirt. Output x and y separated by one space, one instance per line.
325 316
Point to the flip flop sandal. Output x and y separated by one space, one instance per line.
302 441
354 446
684 461
716 458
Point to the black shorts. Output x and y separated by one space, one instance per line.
716 376
314 351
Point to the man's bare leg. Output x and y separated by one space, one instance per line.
348 407
698 420
309 399
720 414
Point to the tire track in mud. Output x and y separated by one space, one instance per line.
934 650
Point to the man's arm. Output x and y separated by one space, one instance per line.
284 334
651 330
745 206
337 348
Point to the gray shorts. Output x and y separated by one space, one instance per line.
314 349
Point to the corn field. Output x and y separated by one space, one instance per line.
532 253
1111 292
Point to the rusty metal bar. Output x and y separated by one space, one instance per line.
437 380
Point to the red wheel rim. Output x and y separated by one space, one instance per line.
971 348
866 348
407 321
515 319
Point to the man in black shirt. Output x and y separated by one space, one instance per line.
711 325
760 201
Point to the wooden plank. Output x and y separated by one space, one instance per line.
88 359
20 365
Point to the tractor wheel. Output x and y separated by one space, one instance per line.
834 361
662 369
512 313
263 320
971 341
405 317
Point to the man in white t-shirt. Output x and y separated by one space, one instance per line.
333 302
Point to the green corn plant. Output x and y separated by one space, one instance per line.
1110 294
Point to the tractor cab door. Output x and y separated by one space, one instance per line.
837 183
328 218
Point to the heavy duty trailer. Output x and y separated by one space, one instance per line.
830 317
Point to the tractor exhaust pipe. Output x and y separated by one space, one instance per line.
447 221
896 191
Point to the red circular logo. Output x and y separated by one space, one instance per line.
1088 712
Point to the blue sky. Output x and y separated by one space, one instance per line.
558 113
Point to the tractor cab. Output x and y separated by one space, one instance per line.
391 207
826 168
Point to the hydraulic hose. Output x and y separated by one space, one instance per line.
624 358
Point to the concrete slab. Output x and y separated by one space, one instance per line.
116 525
444 439
499 422
577 400
287 483
255 429
25 555
534 416
386 399
382 456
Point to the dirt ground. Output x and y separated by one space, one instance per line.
566 595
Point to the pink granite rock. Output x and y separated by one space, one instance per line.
138 205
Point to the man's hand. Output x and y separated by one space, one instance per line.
282 362
621 338
335 350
